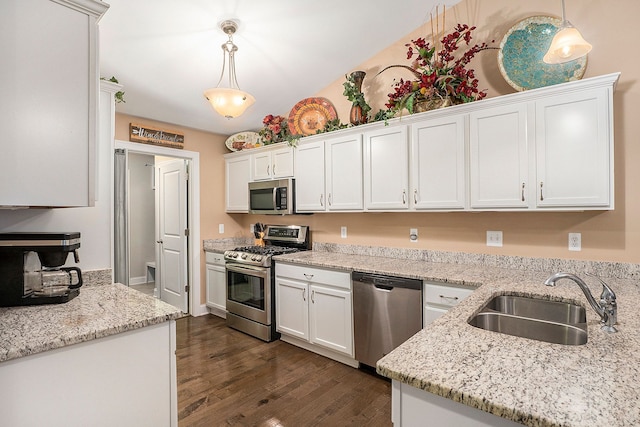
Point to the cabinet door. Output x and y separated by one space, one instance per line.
49 103
574 150
386 169
292 309
261 166
282 162
438 164
343 173
331 319
498 157
238 173
216 287
309 173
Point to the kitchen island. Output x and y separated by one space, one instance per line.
529 382
105 358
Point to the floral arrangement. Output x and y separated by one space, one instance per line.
276 129
441 71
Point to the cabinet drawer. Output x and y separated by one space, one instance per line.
335 278
214 258
445 295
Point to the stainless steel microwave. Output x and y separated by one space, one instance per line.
274 197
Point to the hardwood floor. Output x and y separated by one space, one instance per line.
227 378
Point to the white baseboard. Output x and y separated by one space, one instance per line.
137 280
200 310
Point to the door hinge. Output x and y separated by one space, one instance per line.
186 232
186 288
186 171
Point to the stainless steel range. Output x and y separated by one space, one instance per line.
251 279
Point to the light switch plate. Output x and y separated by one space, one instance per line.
221 228
494 238
343 232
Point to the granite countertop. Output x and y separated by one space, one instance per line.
221 245
527 381
99 311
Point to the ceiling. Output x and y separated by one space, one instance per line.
167 52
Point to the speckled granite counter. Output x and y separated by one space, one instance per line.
221 245
99 311
531 382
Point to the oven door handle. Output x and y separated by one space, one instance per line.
252 271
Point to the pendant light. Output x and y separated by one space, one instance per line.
229 101
567 44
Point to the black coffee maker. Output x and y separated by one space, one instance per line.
31 269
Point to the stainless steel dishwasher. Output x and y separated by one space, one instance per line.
387 311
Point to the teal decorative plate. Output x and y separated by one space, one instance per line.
521 52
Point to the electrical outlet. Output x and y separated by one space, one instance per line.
343 232
575 242
413 235
221 228
252 228
494 238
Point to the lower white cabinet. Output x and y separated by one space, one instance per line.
216 284
314 306
440 297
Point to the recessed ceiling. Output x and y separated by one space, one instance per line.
167 52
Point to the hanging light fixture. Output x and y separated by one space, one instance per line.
567 44
229 101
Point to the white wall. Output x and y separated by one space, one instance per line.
94 223
141 215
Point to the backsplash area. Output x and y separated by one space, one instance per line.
618 270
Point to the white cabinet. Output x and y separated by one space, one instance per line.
237 177
498 157
314 305
440 297
216 284
329 174
574 150
386 168
272 163
49 104
438 166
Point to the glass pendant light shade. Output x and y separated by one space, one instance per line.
567 45
229 101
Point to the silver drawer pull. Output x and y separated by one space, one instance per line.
451 298
304 295
308 276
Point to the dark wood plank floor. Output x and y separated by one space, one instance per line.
227 378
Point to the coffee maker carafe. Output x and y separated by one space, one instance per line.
31 268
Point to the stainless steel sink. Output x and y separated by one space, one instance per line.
534 318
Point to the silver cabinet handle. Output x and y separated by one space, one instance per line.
451 298
404 197
304 295
541 196
329 199
321 200
415 196
523 191
268 169
159 241
308 276
313 293
273 169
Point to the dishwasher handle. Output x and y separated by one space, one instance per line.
386 282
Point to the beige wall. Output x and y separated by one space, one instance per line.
211 148
610 236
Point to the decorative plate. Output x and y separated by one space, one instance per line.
310 115
521 52
243 141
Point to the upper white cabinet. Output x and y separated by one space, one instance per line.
498 157
272 164
329 174
237 177
574 150
438 167
386 169
49 103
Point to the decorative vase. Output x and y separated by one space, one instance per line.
355 115
431 104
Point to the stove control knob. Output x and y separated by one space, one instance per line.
258 258
233 255
243 256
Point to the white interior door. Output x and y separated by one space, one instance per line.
171 206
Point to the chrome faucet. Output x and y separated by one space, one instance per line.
607 309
